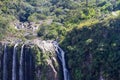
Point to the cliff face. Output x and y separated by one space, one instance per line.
48 66
93 52
39 61
1 52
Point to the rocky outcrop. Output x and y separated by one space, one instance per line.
1 51
38 54
30 25
49 70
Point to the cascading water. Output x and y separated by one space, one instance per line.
21 77
61 56
14 76
21 65
5 63
30 68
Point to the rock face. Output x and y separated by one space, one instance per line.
39 61
49 64
1 51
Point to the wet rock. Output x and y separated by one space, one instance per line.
44 59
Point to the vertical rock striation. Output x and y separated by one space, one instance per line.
36 60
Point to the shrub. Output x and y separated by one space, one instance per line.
3 26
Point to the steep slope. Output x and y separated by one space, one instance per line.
39 61
93 52
87 30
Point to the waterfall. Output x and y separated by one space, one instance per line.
19 63
61 56
21 76
5 63
30 68
14 76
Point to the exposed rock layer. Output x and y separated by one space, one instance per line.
45 65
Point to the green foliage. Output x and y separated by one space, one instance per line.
95 50
36 17
3 26
78 15
44 62
89 13
90 40
59 11
28 10
107 7
52 31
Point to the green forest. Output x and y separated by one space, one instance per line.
87 30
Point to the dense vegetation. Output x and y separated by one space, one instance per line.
88 31
64 13
93 51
